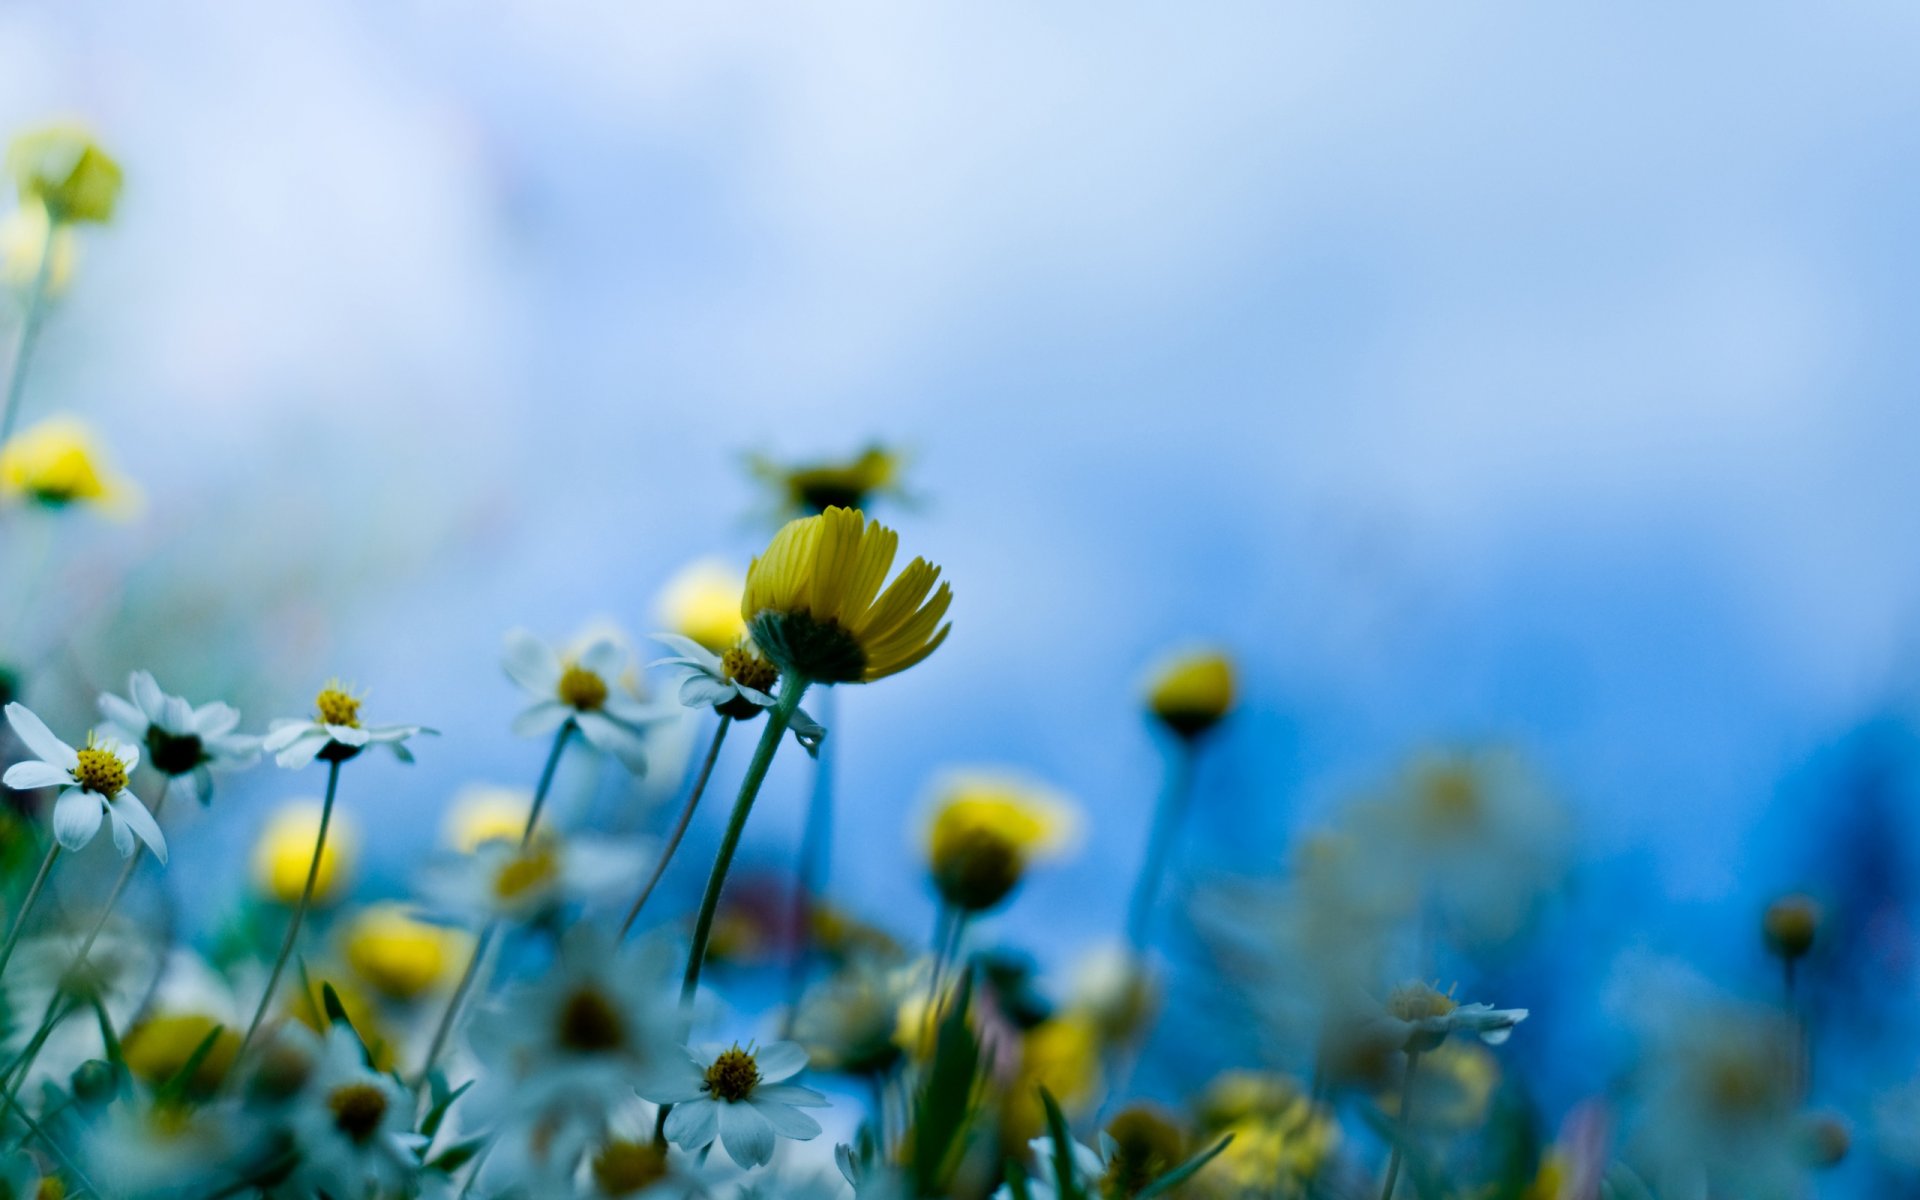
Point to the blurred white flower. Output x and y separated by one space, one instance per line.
741 1097
184 743
738 685
351 1125
584 690
94 779
503 880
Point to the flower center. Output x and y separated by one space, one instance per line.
733 1076
524 872
337 706
100 771
589 1023
744 667
622 1168
581 689
172 753
801 644
358 1109
1419 1001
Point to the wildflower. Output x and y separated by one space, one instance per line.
739 1096
1087 1166
481 814
1063 1055
64 169
1452 1089
813 601
163 1147
850 1021
813 488
93 780
23 240
987 828
1281 1138
351 1125
1422 1016
159 1047
1192 691
56 463
623 1167
283 853
503 880
117 974
1790 924
184 743
702 604
399 955
738 684
335 734
582 690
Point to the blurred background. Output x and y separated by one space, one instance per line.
1475 374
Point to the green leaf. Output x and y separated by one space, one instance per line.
1063 1175
115 1058
457 1155
176 1087
944 1106
1017 1181
1185 1171
430 1124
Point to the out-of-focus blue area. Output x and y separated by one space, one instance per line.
1480 371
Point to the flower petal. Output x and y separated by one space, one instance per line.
787 1122
745 1133
531 663
147 694
25 776
616 739
699 691
604 658
780 1060
542 718
39 739
687 648
76 817
692 1126
350 735
122 832
215 720
792 1095
123 716
302 750
127 807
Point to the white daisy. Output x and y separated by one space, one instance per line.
351 1125
739 1096
184 743
582 689
335 733
94 783
1420 1017
502 880
738 684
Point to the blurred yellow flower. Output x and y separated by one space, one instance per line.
285 849
1280 1137
1790 924
23 238
57 463
987 827
62 167
399 955
159 1046
812 488
1453 1087
311 1010
1191 691
1062 1055
702 602
481 814
813 601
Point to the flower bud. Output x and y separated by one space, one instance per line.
1790 924
63 168
1190 693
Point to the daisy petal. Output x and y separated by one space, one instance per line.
787 1122
745 1133
76 817
531 663
692 1126
542 718
26 776
123 716
147 694
616 739
39 739
303 749
780 1060
127 808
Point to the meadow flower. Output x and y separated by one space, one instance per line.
581 690
159 1046
850 1021
1281 1138
57 463
184 743
117 974
151 1147
1190 692
24 236
504 880
738 684
335 733
1062 1054
814 487
813 602
987 828
350 1126
1421 1016
740 1096
1789 925
62 168
399 955
482 813
283 853
1452 1089
630 1169
702 604
93 782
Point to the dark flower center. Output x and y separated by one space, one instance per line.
358 1109
589 1024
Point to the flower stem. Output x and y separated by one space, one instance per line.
1172 806
29 328
471 975
680 826
293 926
26 906
816 860
1406 1125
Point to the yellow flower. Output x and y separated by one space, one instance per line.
811 488
285 850
23 237
159 1046
813 601
311 1010
702 602
1191 691
481 814
1280 1137
63 168
1453 1087
57 463
1061 1054
1790 924
399 955
986 828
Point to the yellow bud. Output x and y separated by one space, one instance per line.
56 463
63 168
1190 692
158 1047
399 955
987 827
284 852
702 602
486 814
1790 924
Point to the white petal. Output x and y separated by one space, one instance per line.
215 720
756 695
76 817
130 720
531 663
122 832
780 1060
147 694
692 1126
787 1122
604 658
177 716
616 739
745 1133
699 691
348 735
39 739
542 718
687 648
283 733
24 776
127 807
129 755
302 750
671 1083
792 1095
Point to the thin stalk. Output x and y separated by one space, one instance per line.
680 826
816 863
293 926
546 780
949 930
1167 816
26 906
29 329
1406 1125
23 1065
877 1107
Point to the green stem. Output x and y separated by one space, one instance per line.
546 780
1167 815
29 329
1406 1125
816 860
679 827
293 926
26 906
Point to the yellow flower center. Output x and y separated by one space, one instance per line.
590 1024
337 706
581 689
744 667
100 771
622 1168
1419 1001
358 1109
733 1076
527 871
